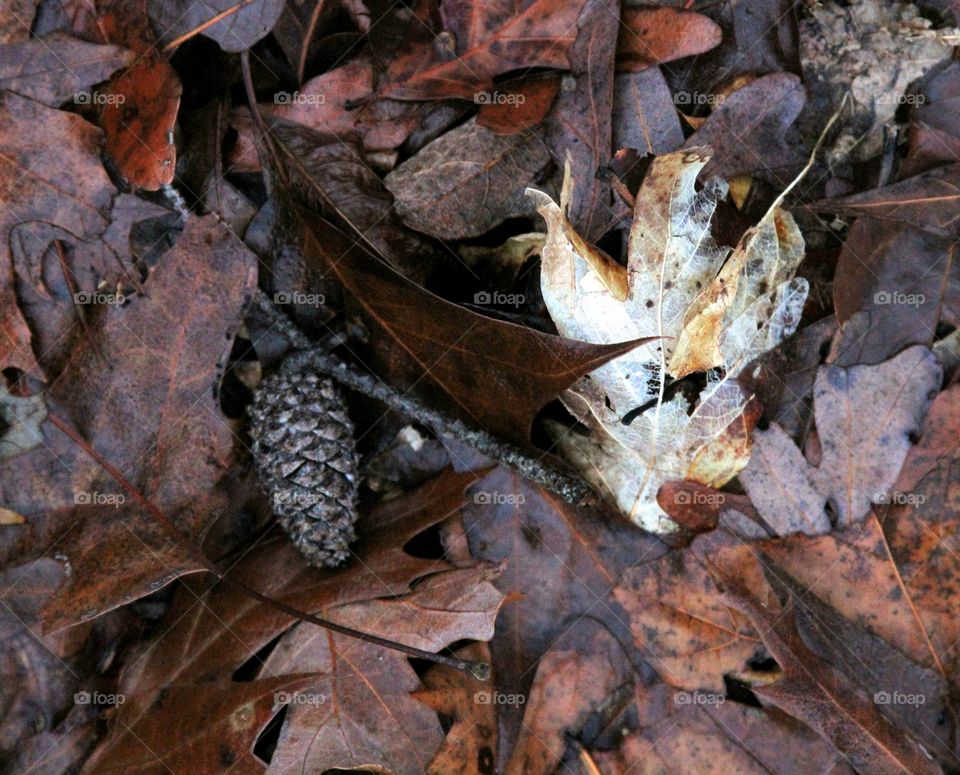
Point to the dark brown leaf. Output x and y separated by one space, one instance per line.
497 374
153 413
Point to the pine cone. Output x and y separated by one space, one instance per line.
304 451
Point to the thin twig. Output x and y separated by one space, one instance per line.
570 488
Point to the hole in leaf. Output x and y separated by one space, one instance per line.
249 670
267 740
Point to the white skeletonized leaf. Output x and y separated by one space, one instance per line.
710 312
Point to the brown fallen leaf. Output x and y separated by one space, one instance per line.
746 130
354 705
687 633
338 102
490 39
37 675
16 18
237 25
467 181
644 114
814 692
369 718
650 36
909 560
700 731
518 104
578 128
70 189
152 412
448 346
332 174
866 416
58 68
569 685
929 201
934 131
205 727
470 745
574 556
141 103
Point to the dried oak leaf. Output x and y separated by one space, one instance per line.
369 719
573 678
812 690
712 312
467 181
67 187
338 102
489 39
910 561
471 742
57 67
201 728
929 201
561 564
676 732
152 412
679 622
354 708
497 374
866 417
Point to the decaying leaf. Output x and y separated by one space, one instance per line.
466 182
712 312
866 416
